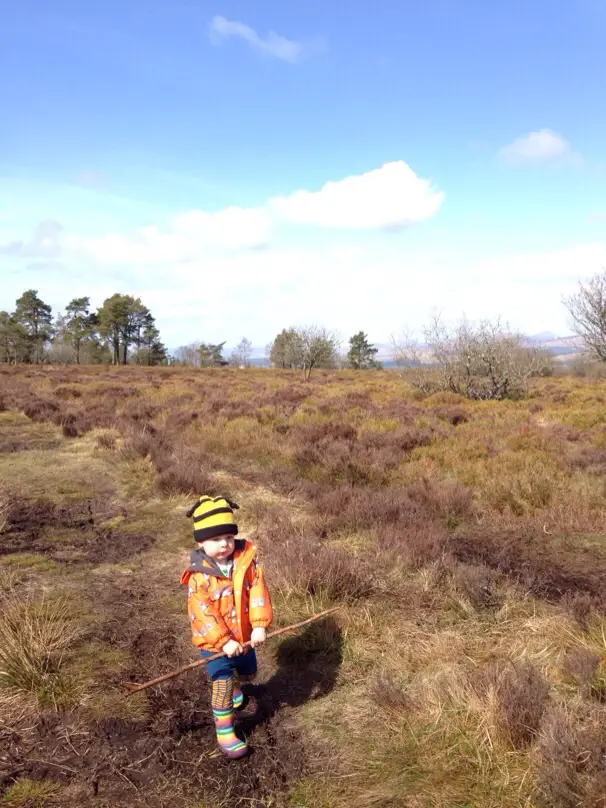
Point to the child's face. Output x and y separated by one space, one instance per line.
220 548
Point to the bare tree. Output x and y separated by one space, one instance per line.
588 311
316 348
241 354
480 361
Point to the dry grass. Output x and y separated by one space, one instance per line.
464 540
31 794
34 636
4 508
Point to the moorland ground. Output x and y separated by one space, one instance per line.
465 542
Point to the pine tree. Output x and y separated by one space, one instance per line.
362 354
34 315
78 325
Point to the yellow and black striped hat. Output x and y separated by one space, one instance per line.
213 516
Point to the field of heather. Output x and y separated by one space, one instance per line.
464 541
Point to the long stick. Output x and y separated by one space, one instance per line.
133 687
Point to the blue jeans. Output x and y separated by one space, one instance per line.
244 665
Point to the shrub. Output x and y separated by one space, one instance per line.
522 695
453 415
106 441
572 761
479 361
580 665
310 568
184 473
389 695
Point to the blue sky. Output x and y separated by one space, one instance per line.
181 151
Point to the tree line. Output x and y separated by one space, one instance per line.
303 348
122 330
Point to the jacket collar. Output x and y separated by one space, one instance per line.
200 562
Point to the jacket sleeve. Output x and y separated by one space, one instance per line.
260 609
208 627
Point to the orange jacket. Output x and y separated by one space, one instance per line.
221 609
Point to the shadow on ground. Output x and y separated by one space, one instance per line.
308 666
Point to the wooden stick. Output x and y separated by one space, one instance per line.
133 687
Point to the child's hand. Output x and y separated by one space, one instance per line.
258 637
232 648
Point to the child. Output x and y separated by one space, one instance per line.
228 605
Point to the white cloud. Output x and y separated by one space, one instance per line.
390 197
187 236
272 44
543 146
345 280
382 287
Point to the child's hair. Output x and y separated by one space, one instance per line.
213 516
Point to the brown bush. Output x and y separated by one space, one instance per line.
402 440
140 411
580 606
477 583
416 544
139 443
589 459
178 420
522 694
70 430
41 410
453 415
573 764
447 500
187 473
106 441
389 695
67 392
580 665
311 568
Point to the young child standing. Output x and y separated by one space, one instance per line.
229 605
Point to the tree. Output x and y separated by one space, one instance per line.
305 348
188 355
13 340
79 324
588 311
151 351
122 320
479 361
211 355
286 350
241 354
318 348
34 315
362 354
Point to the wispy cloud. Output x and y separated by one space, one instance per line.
221 29
541 147
45 242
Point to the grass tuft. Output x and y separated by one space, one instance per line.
34 636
